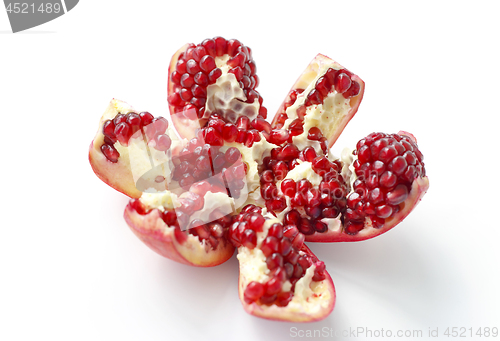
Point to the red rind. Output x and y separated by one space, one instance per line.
151 229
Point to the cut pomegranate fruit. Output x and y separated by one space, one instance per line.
217 76
280 278
315 102
155 221
236 181
127 145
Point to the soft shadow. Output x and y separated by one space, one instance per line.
421 281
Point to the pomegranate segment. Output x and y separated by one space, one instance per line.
325 97
169 241
132 150
217 76
280 278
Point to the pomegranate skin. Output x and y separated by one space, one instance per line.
290 313
159 237
418 190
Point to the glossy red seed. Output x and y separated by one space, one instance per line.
181 66
209 45
306 227
249 239
293 256
285 246
186 94
388 179
330 212
280 170
376 196
322 86
397 195
275 261
314 134
269 246
383 211
220 46
352 227
288 187
232 47
290 231
277 205
261 125
352 91
213 75
276 230
387 154
237 72
192 67
119 119
253 291
278 137
289 152
123 133
199 52
110 152
229 132
330 75
187 80
108 129
342 82
313 98
146 118
198 91
397 165
283 298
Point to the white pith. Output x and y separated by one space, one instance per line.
147 163
325 116
309 296
226 98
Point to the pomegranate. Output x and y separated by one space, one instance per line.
236 181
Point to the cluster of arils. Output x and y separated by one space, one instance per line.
200 65
199 160
283 249
386 167
123 127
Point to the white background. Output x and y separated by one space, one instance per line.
71 269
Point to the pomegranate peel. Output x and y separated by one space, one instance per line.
161 238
